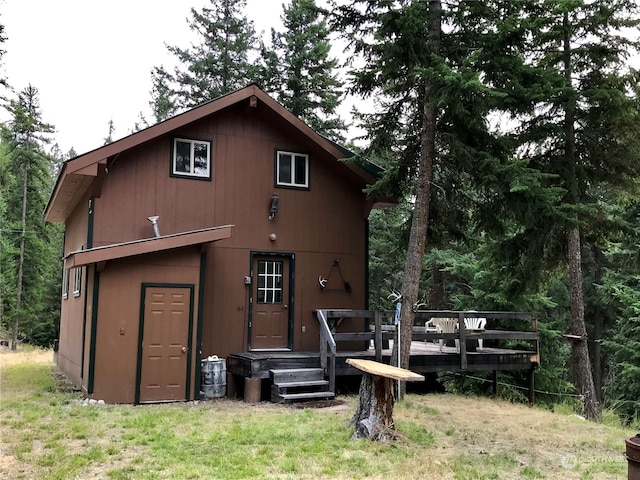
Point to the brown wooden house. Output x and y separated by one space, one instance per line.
259 223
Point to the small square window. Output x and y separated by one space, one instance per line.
292 169
191 158
65 283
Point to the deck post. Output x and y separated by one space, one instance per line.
531 386
252 390
377 342
494 387
462 341
332 372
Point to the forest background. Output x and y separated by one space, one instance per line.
509 130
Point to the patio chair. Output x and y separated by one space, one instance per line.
429 327
475 323
445 325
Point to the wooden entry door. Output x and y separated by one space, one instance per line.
165 348
270 317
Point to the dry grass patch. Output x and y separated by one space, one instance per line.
487 438
25 354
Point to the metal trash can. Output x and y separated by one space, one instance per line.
633 457
214 377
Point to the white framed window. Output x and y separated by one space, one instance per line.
191 158
65 283
292 169
77 281
270 281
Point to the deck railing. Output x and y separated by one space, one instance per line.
329 321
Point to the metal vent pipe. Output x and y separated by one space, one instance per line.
154 222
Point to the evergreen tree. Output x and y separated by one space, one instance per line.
34 248
431 122
298 68
575 110
109 138
221 63
399 43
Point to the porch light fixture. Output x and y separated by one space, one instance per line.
274 206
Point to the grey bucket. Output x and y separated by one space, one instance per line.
214 377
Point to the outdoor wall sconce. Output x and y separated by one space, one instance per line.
274 206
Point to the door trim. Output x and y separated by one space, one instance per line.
143 294
292 260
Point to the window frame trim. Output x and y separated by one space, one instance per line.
276 169
191 141
65 283
77 281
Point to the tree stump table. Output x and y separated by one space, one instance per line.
374 417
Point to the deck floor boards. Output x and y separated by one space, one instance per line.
425 357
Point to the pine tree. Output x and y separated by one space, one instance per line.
431 121
298 68
34 247
109 138
578 109
221 63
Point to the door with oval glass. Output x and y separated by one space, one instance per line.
270 316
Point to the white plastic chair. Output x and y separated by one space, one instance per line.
429 327
476 323
445 325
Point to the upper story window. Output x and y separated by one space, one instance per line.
191 158
292 169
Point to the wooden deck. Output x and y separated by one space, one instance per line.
425 358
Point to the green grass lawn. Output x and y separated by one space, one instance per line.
48 434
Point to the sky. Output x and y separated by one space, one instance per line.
91 60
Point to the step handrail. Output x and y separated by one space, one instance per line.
327 359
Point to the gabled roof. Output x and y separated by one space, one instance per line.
78 173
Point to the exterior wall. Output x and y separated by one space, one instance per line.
116 338
325 223
72 308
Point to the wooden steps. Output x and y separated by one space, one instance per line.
299 384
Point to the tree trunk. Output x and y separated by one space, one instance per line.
374 417
18 314
422 192
580 349
437 294
598 321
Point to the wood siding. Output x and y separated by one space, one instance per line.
72 308
117 335
325 223
319 226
